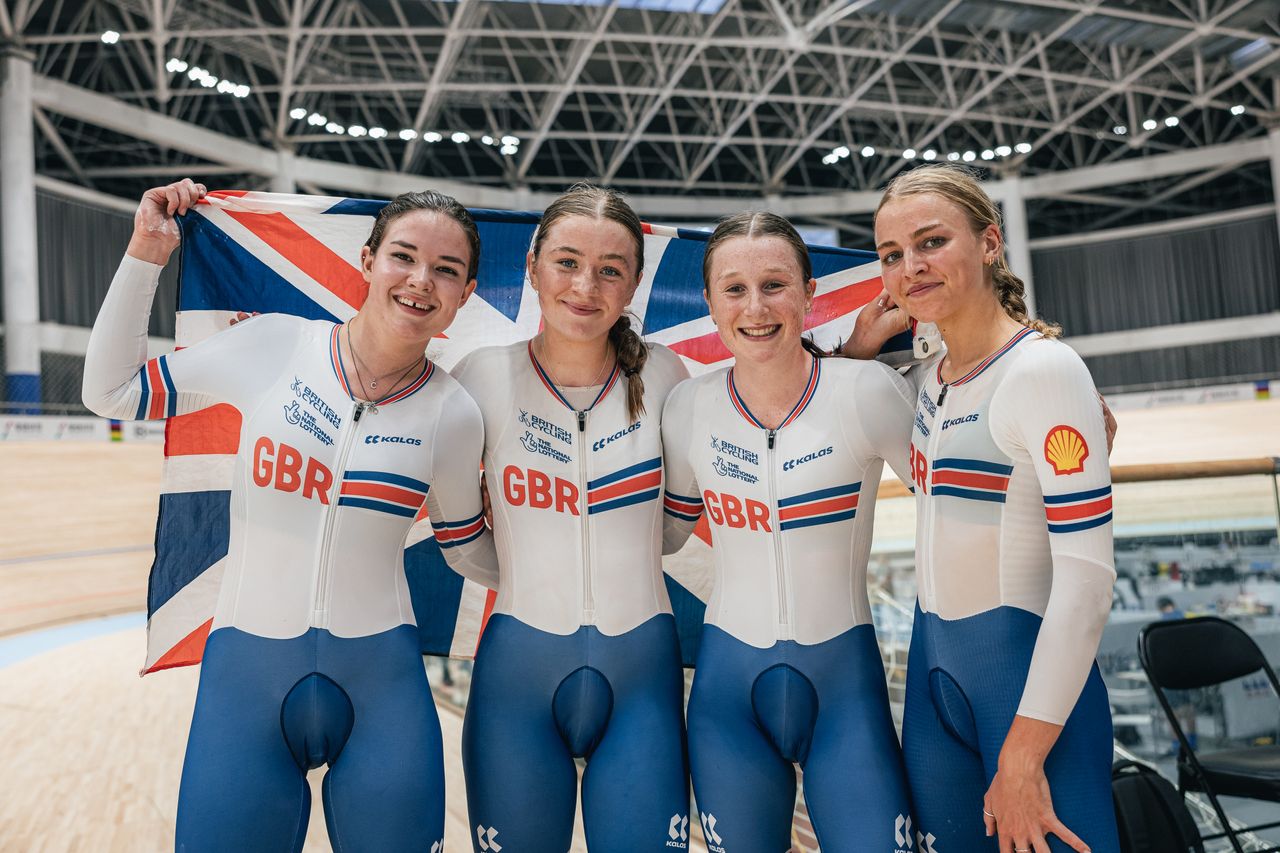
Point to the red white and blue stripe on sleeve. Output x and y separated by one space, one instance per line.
1077 511
159 397
682 507
451 534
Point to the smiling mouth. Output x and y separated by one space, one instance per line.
923 288
762 332
581 309
412 304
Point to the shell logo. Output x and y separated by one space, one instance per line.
1065 449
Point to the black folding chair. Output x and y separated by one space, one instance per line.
1187 654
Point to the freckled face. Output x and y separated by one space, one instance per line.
585 273
932 262
758 297
418 277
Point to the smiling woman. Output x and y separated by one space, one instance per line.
313 654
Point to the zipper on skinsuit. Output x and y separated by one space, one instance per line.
784 603
320 603
934 438
588 596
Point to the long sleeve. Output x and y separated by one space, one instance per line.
1048 409
119 381
681 499
884 405
454 503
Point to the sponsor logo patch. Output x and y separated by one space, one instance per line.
1065 449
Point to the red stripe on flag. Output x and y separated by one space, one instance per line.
835 304
703 529
308 254
971 480
626 487
819 508
490 597
1070 513
212 430
705 349
188 651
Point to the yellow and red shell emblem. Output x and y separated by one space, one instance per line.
1065 449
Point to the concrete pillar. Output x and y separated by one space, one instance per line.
1273 136
285 180
18 233
1016 237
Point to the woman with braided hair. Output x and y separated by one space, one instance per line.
1007 730
579 658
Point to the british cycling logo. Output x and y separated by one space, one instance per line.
808 457
315 401
393 439
545 426
602 443
538 444
924 430
928 404
719 445
733 471
306 421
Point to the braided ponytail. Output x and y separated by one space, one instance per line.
1012 295
632 354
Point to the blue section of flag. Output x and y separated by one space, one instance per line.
436 592
358 207
218 274
676 296
503 246
191 535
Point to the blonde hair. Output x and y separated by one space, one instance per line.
597 203
959 187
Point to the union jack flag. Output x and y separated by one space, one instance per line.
247 251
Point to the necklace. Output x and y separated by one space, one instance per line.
355 360
599 376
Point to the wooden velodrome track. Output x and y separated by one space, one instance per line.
94 753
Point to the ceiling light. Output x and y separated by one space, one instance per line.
969 156
1023 148
356 131
208 81
867 151
175 66
226 87
1119 130
988 154
408 134
1003 150
298 112
909 154
829 159
110 37
840 151
431 136
334 127
195 73
316 120
510 140
508 150
460 136
953 156
1150 124
1171 121
242 91
487 139
377 133
1237 110
929 154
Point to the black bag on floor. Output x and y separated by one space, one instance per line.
1150 813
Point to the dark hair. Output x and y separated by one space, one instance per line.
762 224
597 203
429 200
961 188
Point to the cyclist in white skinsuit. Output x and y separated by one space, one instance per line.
313 656
580 658
788 671
1007 727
